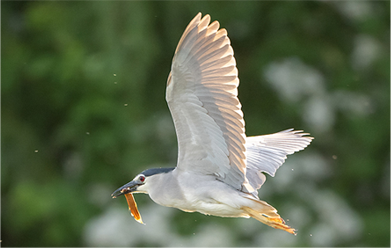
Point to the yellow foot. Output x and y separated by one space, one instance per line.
275 222
278 223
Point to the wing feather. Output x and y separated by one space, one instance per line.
202 97
266 153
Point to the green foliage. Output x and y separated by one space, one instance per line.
83 111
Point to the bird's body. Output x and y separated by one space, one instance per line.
195 194
219 169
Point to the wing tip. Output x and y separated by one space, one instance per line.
197 17
298 132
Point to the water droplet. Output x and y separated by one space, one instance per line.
36 151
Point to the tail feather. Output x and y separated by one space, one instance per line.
268 215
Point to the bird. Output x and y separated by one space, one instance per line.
219 169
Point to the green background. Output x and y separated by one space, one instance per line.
83 111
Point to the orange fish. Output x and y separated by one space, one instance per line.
133 208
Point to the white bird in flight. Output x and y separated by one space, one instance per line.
219 169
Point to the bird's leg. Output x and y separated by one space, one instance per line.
268 215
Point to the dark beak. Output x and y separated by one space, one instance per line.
127 188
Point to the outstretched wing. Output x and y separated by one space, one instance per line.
202 97
266 153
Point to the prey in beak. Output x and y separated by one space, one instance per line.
127 190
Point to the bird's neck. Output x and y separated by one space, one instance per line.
164 189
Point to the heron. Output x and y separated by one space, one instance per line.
219 169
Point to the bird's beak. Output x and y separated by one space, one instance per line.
127 188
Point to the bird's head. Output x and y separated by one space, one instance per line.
141 182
